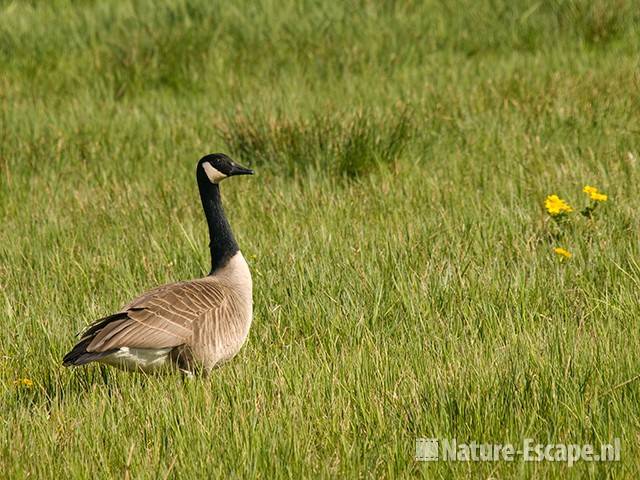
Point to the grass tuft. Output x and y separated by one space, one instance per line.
338 145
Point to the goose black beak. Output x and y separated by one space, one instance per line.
238 170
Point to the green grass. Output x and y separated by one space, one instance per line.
405 280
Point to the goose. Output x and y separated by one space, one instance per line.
192 325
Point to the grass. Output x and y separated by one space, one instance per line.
405 280
355 144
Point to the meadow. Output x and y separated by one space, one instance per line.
405 278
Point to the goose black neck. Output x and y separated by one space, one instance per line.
222 244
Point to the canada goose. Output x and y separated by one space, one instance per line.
191 325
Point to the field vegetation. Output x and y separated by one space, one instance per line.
406 283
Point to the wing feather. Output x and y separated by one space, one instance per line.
164 317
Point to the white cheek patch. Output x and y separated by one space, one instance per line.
213 174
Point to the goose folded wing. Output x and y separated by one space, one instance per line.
161 318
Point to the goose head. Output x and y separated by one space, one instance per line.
217 166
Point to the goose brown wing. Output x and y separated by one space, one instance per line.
164 317
150 294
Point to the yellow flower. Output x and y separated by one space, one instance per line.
556 206
25 382
594 194
562 252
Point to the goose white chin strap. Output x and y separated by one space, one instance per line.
213 174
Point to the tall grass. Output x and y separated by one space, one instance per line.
339 145
405 280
